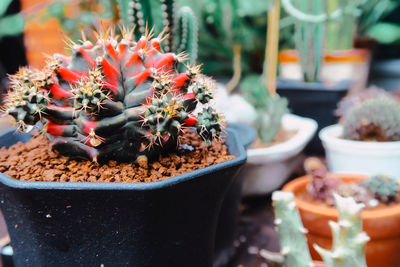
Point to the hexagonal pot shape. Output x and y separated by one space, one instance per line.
165 223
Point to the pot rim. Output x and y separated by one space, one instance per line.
374 214
330 135
306 129
233 143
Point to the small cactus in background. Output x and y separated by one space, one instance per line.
376 119
179 24
323 185
313 19
291 231
349 240
116 99
383 188
270 110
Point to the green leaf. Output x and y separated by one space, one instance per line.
253 7
385 33
56 10
11 25
4 5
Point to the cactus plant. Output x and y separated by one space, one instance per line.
376 119
179 25
384 189
270 110
349 240
291 231
115 98
312 18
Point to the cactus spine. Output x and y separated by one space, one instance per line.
115 99
179 25
348 238
291 231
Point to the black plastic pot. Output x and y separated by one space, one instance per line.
229 215
166 223
313 100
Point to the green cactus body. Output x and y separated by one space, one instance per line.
270 110
375 119
383 188
163 15
291 231
349 240
114 99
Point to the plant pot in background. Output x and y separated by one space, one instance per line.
381 224
340 65
360 157
166 223
268 168
41 37
228 220
313 100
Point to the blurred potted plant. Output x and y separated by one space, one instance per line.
281 137
367 140
314 196
315 23
93 108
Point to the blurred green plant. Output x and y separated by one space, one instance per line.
270 109
10 25
372 12
321 25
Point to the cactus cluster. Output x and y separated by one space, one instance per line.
179 24
115 98
384 189
349 240
376 119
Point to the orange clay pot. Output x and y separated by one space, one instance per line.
382 225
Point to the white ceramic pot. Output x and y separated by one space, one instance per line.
268 168
360 157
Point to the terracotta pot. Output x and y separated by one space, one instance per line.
382 225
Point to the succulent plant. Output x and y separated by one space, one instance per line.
291 231
384 189
323 185
179 24
270 110
116 98
376 119
349 240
